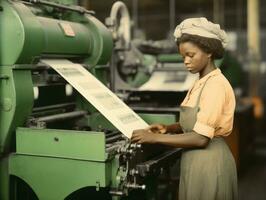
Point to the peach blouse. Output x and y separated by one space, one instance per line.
217 105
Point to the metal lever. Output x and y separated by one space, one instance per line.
136 186
64 7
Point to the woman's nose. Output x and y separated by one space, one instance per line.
186 60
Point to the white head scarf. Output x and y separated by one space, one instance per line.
202 27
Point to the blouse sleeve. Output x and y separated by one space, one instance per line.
211 109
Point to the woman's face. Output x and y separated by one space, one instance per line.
195 59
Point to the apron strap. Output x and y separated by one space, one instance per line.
197 103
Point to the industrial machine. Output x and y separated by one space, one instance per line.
54 144
149 76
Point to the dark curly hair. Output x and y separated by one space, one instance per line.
208 45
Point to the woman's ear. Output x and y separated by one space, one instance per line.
209 55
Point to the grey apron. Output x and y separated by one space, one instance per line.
208 173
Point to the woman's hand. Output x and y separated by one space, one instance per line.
157 128
143 136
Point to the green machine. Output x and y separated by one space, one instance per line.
54 144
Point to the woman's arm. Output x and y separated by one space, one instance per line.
187 140
174 128
162 128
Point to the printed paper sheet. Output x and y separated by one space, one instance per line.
103 99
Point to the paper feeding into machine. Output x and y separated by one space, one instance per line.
114 109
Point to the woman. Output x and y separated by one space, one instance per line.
208 169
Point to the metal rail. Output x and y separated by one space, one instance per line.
60 117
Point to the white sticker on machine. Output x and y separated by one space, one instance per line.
101 97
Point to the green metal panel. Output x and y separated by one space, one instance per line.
102 73
4 179
16 42
61 143
59 177
16 100
25 37
158 118
148 62
58 43
102 42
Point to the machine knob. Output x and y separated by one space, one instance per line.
136 186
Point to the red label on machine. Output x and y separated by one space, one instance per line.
67 29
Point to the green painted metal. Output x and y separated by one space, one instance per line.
58 43
218 62
148 62
55 178
170 58
68 172
102 42
26 39
61 143
102 73
55 163
4 179
158 118
16 98
21 40
25 36
233 70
